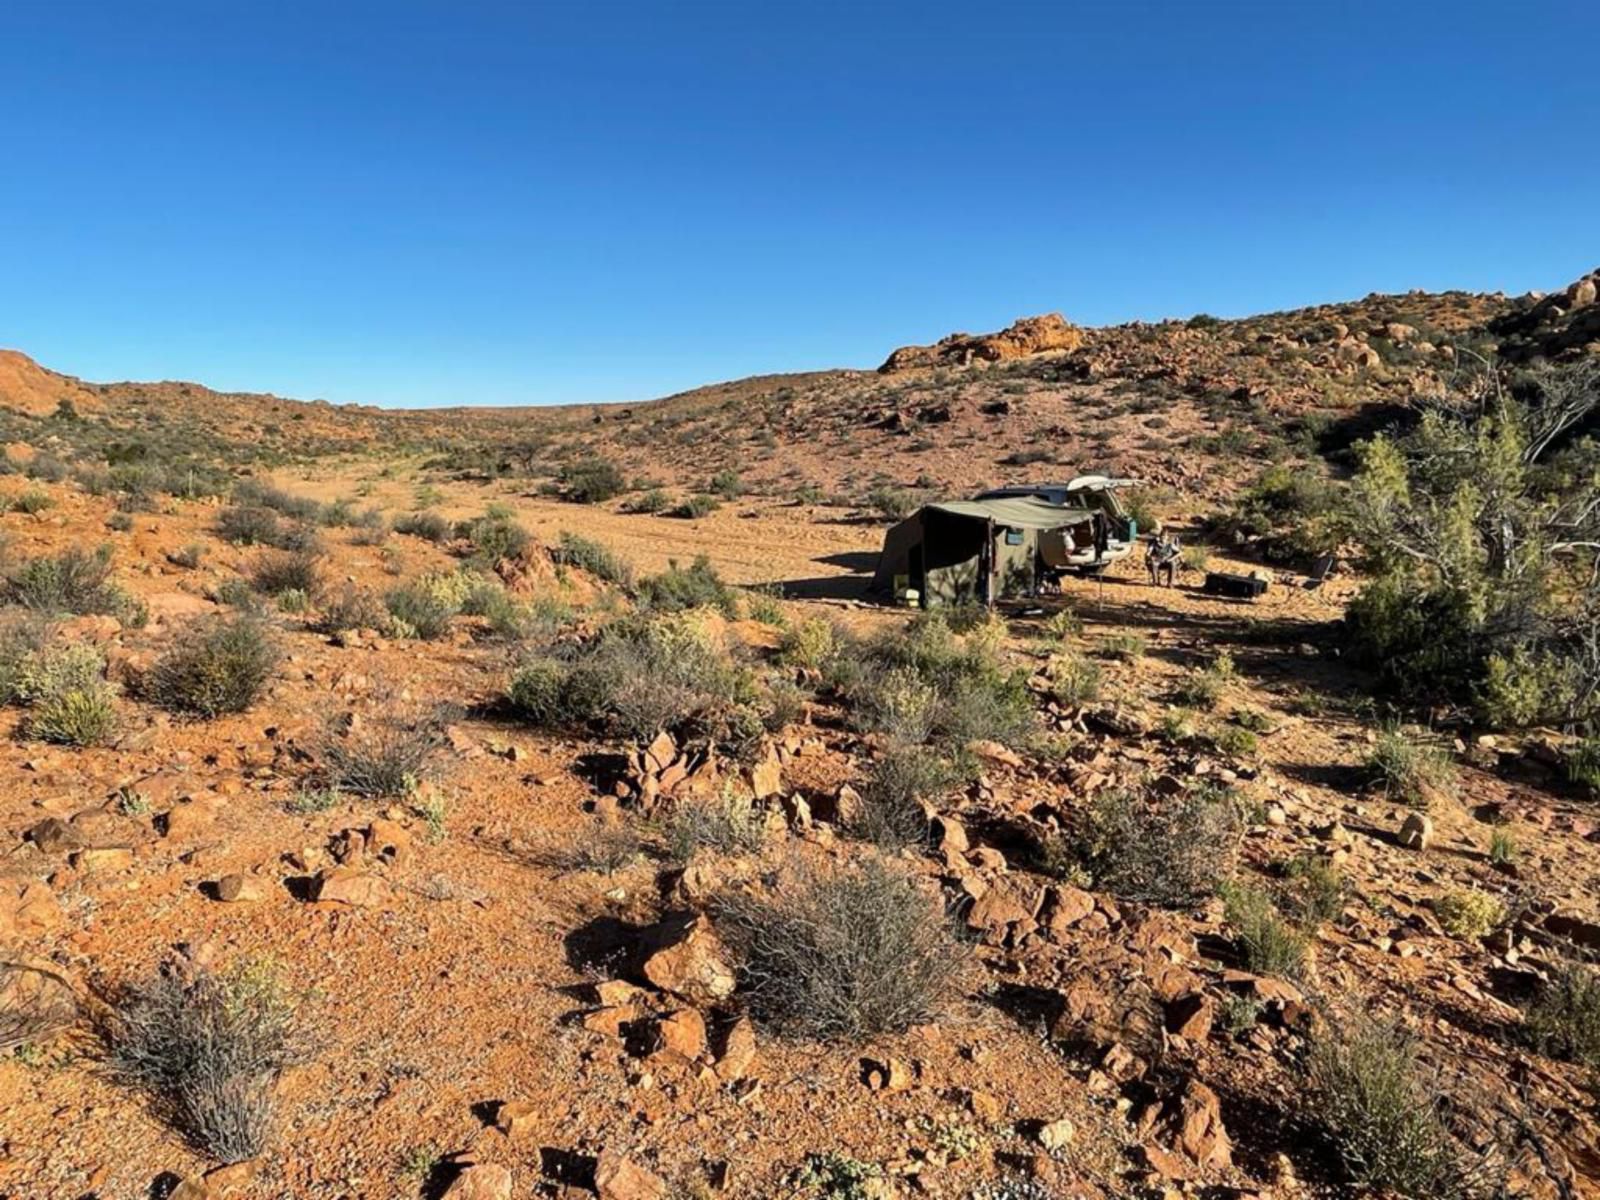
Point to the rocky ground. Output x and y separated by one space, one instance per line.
500 1005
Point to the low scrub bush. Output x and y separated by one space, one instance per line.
258 526
1172 851
1369 1094
273 574
849 951
1290 514
586 554
62 685
899 783
74 582
1564 1019
695 586
353 608
700 504
424 608
1125 647
809 644
892 503
1268 943
1468 913
1583 765
494 538
1409 771
928 684
1074 680
426 524
221 666
728 823
78 717
382 756
1316 891
211 1047
606 846
592 482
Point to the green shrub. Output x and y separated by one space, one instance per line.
1234 741
33 501
73 582
1469 914
249 526
899 783
80 716
892 503
848 951
495 538
1369 1094
586 554
1126 647
1564 1019
1408 771
835 1176
1583 764
1074 680
652 501
700 504
384 756
275 573
592 482
1317 891
1290 514
1270 945
695 586
425 607
353 608
220 666
1063 624
211 1048
808 644
427 525
727 484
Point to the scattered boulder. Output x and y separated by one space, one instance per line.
1028 335
1416 832
681 1034
481 1181
237 888
618 1177
342 885
684 957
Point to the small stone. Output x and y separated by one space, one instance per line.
1057 1135
682 1033
516 1119
1416 832
240 889
738 1051
689 962
342 885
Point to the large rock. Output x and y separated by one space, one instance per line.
1029 335
481 1181
342 885
684 957
618 1177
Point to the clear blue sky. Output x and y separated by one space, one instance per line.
456 202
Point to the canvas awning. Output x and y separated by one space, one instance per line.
1016 512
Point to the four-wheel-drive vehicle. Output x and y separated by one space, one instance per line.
1110 537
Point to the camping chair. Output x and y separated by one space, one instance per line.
1319 572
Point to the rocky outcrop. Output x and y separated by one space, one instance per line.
1562 325
1029 335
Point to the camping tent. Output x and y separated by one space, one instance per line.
964 551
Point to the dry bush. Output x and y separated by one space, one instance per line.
35 1004
210 1047
586 554
1370 1095
728 823
1270 944
386 755
73 581
353 608
215 667
899 783
1408 770
1564 1019
427 525
1173 851
844 951
273 574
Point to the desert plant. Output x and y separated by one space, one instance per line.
1074 679
1062 624
427 525
1583 764
1409 771
1125 647
221 666
211 1047
808 644
899 783
353 608
495 538
1381 1113
606 846
1316 891
700 504
1468 913
189 556
73 581
425 607
387 755
836 1176
249 526
277 572
846 951
574 550
1269 944
1564 1018
1172 851
892 503
591 482
727 823
695 586
1502 848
